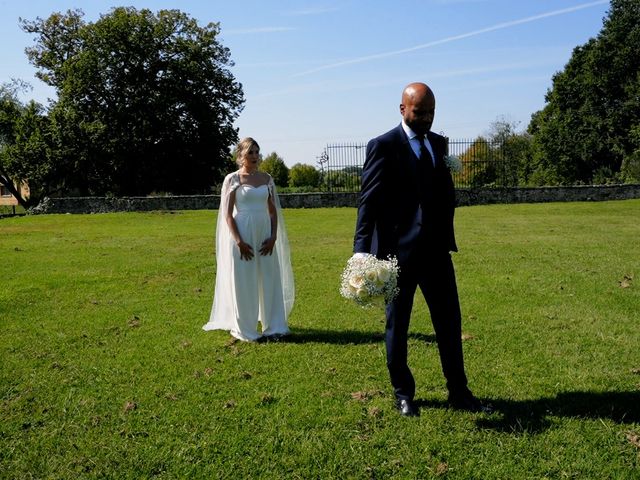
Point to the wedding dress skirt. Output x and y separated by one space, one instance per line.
249 292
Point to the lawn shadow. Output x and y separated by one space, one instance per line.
534 416
345 337
337 337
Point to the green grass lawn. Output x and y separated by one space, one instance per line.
11 210
106 372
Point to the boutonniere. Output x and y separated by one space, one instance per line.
453 163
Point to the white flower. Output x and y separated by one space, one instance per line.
383 274
453 163
356 281
366 278
371 275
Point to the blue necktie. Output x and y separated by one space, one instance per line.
425 156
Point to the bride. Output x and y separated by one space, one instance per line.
254 278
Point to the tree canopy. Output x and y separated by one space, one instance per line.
145 101
590 126
302 175
25 155
274 165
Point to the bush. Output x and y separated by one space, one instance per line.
301 175
275 166
630 170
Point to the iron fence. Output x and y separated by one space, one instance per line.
340 167
484 163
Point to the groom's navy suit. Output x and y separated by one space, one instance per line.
406 210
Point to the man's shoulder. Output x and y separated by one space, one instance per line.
434 137
393 135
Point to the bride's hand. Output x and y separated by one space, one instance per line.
267 246
246 252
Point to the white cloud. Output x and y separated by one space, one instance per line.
324 87
453 38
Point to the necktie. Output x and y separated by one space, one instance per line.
425 156
425 171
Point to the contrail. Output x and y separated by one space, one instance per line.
473 33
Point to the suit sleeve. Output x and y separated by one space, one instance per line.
371 196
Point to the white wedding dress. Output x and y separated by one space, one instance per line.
253 291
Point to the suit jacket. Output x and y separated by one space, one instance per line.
403 207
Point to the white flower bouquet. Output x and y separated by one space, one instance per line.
453 163
366 279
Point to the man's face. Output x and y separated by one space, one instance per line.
418 112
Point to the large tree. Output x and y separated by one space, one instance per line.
274 165
25 154
146 101
589 126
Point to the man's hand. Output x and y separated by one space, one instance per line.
358 257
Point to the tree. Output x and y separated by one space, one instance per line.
478 167
343 180
25 154
513 151
275 166
586 128
302 175
630 170
145 102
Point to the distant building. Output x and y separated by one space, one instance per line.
6 198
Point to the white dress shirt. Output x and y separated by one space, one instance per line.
414 141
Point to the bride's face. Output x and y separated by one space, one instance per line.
252 158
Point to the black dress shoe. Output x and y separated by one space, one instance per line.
469 403
407 408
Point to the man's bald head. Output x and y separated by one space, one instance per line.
418 107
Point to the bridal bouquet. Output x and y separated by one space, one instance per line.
367 278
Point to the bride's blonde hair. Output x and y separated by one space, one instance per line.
243 148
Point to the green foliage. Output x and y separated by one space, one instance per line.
275 166
630 170
145 102
501 159
479 164
298 189
25 153
585 130
343 180
302 175
106 372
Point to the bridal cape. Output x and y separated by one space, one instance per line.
261 289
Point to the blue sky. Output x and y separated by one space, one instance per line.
326 71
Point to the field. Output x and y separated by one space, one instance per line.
106 372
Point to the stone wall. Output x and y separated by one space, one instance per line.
593 193
466 197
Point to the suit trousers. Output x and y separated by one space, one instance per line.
432 271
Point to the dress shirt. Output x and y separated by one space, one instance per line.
414 141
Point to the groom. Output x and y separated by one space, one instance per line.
406 208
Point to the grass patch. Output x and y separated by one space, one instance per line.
7 210
107 373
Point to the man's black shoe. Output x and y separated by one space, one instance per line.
469 403
407 408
